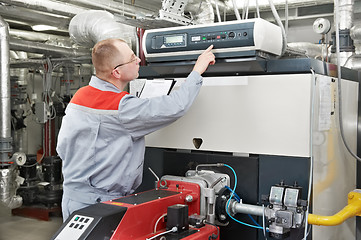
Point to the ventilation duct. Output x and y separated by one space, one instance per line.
48 50
92 26
310 49
202 11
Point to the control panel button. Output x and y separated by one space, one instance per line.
231 35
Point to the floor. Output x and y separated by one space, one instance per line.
21 228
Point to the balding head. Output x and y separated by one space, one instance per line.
107 54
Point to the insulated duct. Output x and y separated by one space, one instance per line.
202 11
355 32
310 49
8 184
5 128
92 26
346 14
31 17
47 6
48 50
41 37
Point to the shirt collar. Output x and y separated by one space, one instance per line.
103 85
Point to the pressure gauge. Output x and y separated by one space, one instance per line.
321 26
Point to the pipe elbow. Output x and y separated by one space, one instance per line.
352 209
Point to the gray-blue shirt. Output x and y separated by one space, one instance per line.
103 150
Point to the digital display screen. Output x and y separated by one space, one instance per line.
173 39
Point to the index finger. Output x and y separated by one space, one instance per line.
209 48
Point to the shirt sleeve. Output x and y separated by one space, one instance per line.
143 116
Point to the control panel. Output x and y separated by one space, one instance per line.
230 39
75 227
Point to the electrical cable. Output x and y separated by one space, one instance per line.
249 215
245 9
257 9
213 237
174 229
286 17
238 199
156 223
235 194
264 223
235 9
217 11
229 200
279 22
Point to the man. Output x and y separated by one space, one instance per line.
101 139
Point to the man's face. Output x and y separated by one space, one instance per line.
129 64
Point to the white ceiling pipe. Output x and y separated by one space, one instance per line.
311 50
346 13
41 37
111 6
5 128
72 7
32 17
49 50
90 27
60 8
355 32
202 14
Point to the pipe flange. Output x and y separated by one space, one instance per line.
5 145
221 203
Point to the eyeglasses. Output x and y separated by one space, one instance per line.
134 58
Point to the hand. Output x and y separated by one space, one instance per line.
206 58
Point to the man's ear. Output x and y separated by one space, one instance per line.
116 73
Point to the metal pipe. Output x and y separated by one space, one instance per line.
31 17
355 32
346 13
73 7
352 209
49 50
47 6
311 50
8 184
41 37
111 6
236 207
8 189
5 128
353 62
202 14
